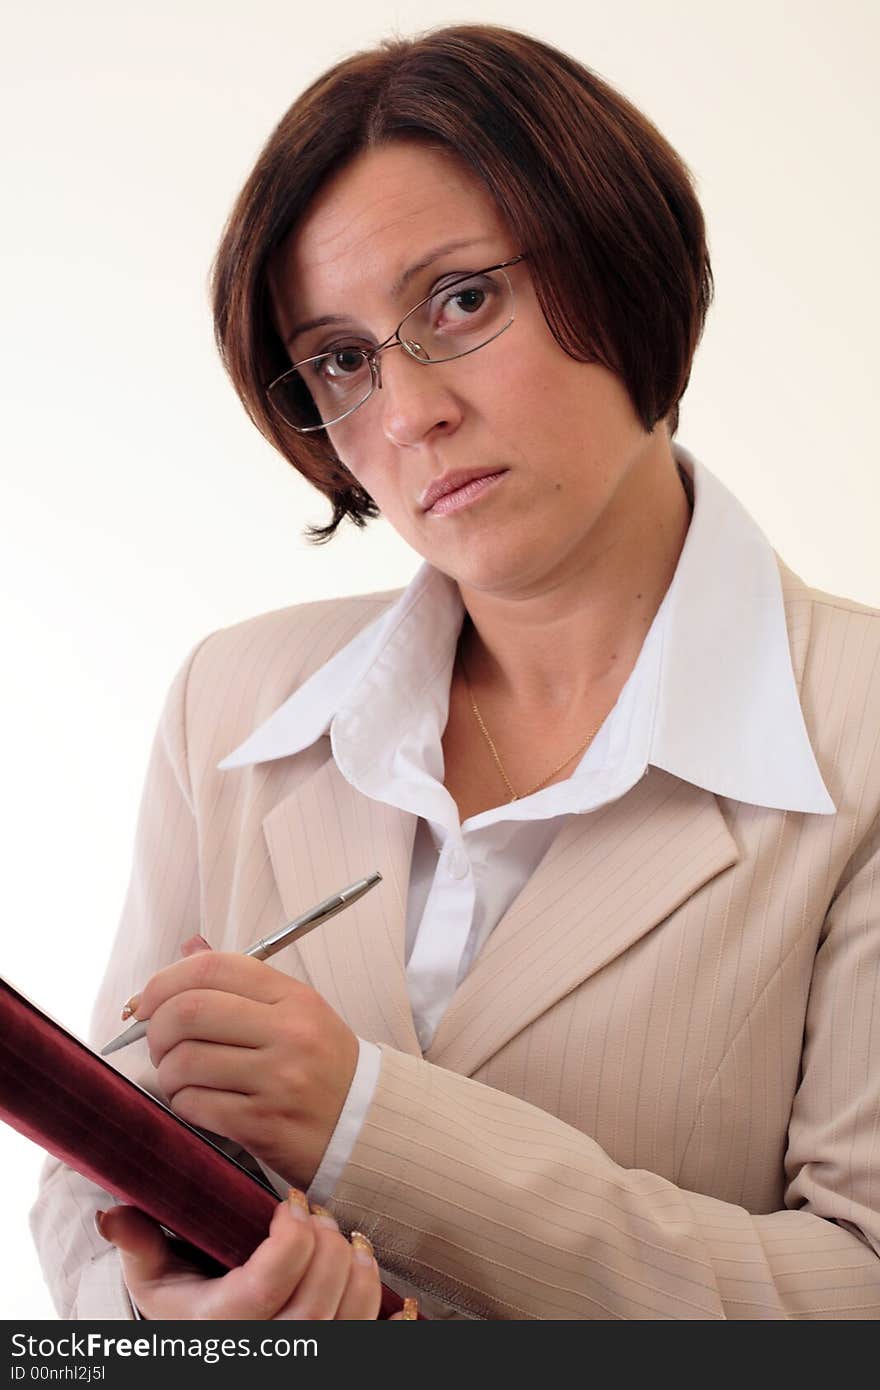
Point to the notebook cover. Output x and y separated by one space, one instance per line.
63 1096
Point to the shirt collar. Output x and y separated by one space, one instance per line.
728 715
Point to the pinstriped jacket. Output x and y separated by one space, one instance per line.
656 1094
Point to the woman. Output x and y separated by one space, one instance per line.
600 1044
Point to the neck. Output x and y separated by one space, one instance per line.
574 641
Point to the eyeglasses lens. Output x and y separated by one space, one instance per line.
321 389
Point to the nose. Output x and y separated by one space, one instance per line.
415 401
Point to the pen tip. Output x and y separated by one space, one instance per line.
132 1034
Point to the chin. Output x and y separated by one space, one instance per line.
487 574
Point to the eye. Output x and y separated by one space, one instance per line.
339 364
459 305
469 300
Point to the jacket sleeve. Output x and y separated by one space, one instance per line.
506 1212
161 909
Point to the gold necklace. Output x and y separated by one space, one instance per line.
514 796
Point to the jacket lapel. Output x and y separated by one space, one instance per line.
321 837
607 879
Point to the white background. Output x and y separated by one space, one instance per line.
142 510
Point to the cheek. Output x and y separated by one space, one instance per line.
355 455
372 468
518 393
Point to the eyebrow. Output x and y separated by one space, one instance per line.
324 322
397 288
403 280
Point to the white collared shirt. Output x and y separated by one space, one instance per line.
712 699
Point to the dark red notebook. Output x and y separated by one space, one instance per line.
58 1092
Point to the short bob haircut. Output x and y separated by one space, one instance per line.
589 187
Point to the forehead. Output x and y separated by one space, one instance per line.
377 216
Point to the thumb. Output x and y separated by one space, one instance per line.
142 1247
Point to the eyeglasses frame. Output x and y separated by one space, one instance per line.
371 355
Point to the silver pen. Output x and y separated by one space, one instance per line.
268 945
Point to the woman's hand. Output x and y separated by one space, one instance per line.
245 1051
304 1269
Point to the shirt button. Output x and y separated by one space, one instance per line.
458 864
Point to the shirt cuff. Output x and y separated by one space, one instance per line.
349 1124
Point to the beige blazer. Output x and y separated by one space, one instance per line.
656 1094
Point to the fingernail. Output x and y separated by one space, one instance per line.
99 1220
130 1007
195 943
324 1217
298 1203
410 1310
362 1247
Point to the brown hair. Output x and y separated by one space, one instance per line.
601 201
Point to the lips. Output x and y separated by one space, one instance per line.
450 482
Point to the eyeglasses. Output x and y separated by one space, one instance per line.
460 317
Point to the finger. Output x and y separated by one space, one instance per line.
207 1065
204 1015
263 1284
145 1253
408 1313
362 1295
319 1292
189 948
222 1112
228 971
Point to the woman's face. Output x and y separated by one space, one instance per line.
563 433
